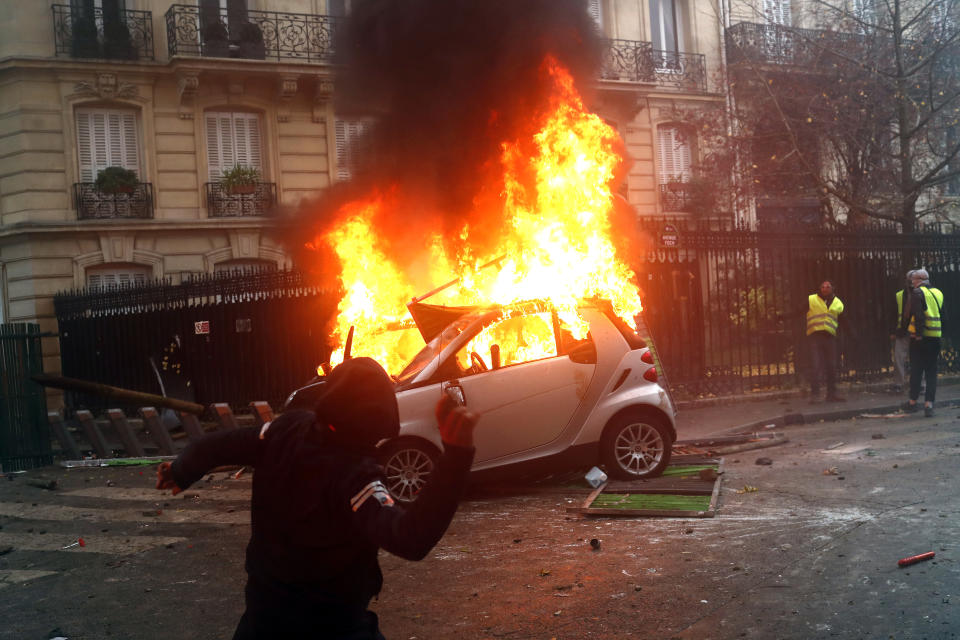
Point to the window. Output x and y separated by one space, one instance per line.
106 138
666 32
673 155
244 266
350 146
233 138
595 10
777 12
517 339
114 276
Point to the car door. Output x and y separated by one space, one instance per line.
528 400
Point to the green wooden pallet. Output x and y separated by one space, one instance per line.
634 499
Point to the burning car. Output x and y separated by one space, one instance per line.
552 387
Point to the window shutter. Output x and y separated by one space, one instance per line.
214 152
777 11
596 12
673 154
349 137
232 139
106 138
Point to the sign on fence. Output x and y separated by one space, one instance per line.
201 328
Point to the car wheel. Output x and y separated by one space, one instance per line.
635 445
408 465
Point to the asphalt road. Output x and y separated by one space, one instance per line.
812 553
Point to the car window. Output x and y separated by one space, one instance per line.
516 339
433 348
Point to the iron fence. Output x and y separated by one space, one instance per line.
242 33
223 203
91 32
216 338
726 305
24 431
638 61
92 203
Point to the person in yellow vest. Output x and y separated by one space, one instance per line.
925 331
824 311
900 335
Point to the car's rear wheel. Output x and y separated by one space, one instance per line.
408 464
635 445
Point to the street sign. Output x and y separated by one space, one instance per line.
669 236
201 328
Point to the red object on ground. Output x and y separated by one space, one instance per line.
81 542
904 562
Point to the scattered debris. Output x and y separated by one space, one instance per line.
883 415
5 550
42 483
878 436
77 543
832 471
835 445
905 562
766 462
748 489
544 572
595 544
595 477
709 474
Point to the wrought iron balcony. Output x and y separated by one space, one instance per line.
783 45
256 35
258 200
93 204
676 196
636 61
91 32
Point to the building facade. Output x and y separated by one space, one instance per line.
179 95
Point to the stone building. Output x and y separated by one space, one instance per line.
178 94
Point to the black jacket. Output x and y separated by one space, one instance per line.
318 518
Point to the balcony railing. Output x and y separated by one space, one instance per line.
636 61
93 33
93 204
223 203
784 45
256 35
676 196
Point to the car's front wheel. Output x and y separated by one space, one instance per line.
635 445
408 464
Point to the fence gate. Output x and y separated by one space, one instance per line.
24 431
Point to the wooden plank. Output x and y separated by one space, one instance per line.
262 413
94 435
224 415
666 513
66 441
129 439
157 430
191 425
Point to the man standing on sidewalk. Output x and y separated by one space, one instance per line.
824 310
926 304
901 335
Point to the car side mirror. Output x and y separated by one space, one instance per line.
495 356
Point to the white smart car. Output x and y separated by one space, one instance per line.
546 399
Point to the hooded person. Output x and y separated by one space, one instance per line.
320 510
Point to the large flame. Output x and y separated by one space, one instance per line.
556 245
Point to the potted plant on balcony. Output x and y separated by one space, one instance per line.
116 180
240 180
251 42
216 41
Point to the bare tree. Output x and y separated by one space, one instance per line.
861 116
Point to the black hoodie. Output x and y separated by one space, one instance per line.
318 514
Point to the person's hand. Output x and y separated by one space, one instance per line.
456 423
165 478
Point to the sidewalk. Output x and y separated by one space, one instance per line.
743 414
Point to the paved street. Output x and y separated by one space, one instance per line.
812 553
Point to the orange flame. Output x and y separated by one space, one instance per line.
556 244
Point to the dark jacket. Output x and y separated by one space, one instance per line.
318 518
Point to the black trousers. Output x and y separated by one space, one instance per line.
923 363
823 361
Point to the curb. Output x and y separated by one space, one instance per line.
788 419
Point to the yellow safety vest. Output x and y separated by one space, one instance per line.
910 327
931 324
822 318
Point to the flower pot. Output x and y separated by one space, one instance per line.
242 189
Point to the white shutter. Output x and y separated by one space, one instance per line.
595 10
673 155
777 12
106 138
232 139
105 277
349 138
